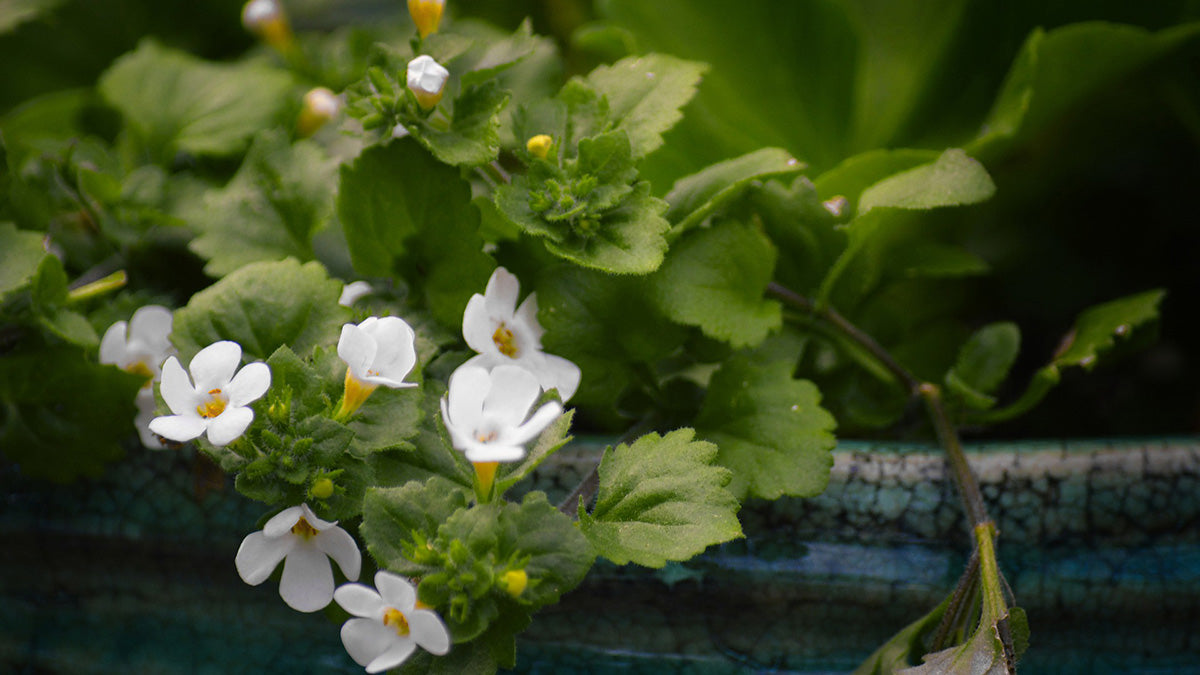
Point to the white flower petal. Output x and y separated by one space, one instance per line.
317 524
458 437
494 452
395 590
561 374
478 326
359 600
394 656
112 345
526 318
147 408
259 555
468 388
281 523
178 428
213 366
357 348
428 631
397 352
501 294
534 426
366 639
339 545
229 425
177 390
307 582
249 384
512 392
152 326
352 292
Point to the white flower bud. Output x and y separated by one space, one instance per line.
426 79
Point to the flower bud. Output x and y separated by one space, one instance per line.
266 19
427 14
514 582
539 146
322 489
320 106
426 79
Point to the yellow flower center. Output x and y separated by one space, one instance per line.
140 368
395 618
503 337
215 405
303 530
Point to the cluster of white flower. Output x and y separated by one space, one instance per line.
486 413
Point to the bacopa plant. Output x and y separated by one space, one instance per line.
429 258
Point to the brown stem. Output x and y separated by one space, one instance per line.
964 479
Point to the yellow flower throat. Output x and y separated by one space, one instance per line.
396 619
503 337
215 405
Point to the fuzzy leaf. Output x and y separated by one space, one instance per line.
262 307
645 95
405 213
279 198
473 137
628 239
391 516
715 279
1096 329
23 253
695 197
660 499
771 429
178 103
953 179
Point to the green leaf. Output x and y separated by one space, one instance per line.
855 174
178 103
1060 69
557 555
803 230
473 136
1097 329
715 278
262 307
63 416
695 197
983 363
393 516
22 254
404 213
627 240
933 259
953 179
903 647
645 95
13 13
589 318
279 198
549 442
771 430
660 499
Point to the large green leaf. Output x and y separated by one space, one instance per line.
771 430
695 197
645 95
628 239
394 518
22 253
404 213
62 415
262 307
473 134
279 198
1059 69
715 278
954 179
660 499
178 103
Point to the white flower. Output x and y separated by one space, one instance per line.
388 626
304 543
426 79
505 334
147 408
214 400
141 345
351 292
379 351
259 13
485 412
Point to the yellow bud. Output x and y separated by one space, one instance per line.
322 489
427 14
539 146
514 582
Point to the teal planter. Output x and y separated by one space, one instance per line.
1099 540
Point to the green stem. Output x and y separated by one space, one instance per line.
99 287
